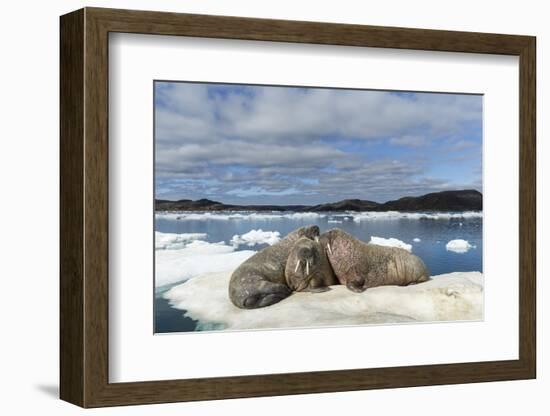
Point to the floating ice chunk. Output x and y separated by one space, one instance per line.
449 297
254 237
173 241
390 242
395 215
304 216
459 246
196 258
334 221
278 215
239 216
417 240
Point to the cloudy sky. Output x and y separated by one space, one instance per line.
244 144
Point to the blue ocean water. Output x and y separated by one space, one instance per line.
428 234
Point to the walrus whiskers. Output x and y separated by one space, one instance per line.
297 265
313 261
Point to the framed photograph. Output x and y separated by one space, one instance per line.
254 207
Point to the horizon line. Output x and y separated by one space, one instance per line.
322 203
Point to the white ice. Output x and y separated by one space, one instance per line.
459 246
172 241
196 258
277 215
416 240
239 216
254 237
390 242
448 297
395 215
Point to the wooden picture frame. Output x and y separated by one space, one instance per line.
84 207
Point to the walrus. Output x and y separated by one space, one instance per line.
260 280
307 268
359 265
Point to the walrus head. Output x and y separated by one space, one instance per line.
304 263
332 238
309 231
339 248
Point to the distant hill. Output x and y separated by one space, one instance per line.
466 200
346 205
463 200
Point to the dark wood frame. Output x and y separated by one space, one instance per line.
84 207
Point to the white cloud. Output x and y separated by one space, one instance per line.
274 138
411 141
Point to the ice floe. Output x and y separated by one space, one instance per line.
172 241
395 215
196 258
448 297
242 216
310 216
417 240
390 242
459 246
254 237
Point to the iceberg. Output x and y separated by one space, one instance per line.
447 297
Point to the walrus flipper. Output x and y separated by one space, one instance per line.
256 292
355 287
271 293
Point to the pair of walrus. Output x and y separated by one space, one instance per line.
306 261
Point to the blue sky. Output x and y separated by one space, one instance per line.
244 144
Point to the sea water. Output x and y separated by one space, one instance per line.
193 243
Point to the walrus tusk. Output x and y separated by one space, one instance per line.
307 267
297 265
329 249
316 239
